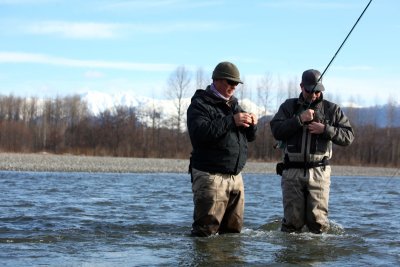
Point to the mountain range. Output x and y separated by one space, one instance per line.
381 116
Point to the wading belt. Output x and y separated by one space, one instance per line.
300 165
305 165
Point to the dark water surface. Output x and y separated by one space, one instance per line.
97 219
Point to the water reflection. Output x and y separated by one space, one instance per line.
308 248
217 250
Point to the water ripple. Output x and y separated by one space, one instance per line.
144 219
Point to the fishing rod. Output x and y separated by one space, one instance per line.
340 47
334 56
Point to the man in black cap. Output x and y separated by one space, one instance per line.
306 127
219 130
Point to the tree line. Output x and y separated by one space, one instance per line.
66 125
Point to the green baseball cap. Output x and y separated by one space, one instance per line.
228 71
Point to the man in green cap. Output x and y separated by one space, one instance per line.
219 131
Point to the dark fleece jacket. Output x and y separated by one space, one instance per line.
219 146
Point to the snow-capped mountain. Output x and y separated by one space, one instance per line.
145 107
98 102
167 108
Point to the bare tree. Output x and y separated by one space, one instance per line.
75 110
155 116
12 108
292 88
201 80
392 148
280 94
264 88
391 111
351 110
178 86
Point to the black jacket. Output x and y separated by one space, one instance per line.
219 146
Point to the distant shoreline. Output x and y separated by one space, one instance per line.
44 162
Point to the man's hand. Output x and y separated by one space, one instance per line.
307 115
254 119
316 127
245 119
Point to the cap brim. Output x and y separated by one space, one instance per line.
235 80
314 87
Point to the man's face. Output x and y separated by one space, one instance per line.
225 87
308 96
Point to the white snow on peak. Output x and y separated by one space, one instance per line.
167 108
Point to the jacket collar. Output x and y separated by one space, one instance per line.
209 96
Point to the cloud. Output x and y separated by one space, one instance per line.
93 74
79 30
17 57
93 30
24 2
309 4
163 27
157 4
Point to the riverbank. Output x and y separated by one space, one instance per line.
44 162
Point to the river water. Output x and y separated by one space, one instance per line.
104 219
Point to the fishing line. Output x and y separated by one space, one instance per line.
386 184
340 47
329 64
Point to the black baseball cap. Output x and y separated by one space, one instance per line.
311 80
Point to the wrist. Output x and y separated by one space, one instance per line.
300 120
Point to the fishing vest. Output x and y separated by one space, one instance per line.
306 147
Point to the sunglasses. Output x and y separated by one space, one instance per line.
232 83
312 92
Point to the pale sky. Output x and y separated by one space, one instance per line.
54 48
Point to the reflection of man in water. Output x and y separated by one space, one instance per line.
307 126
226 251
